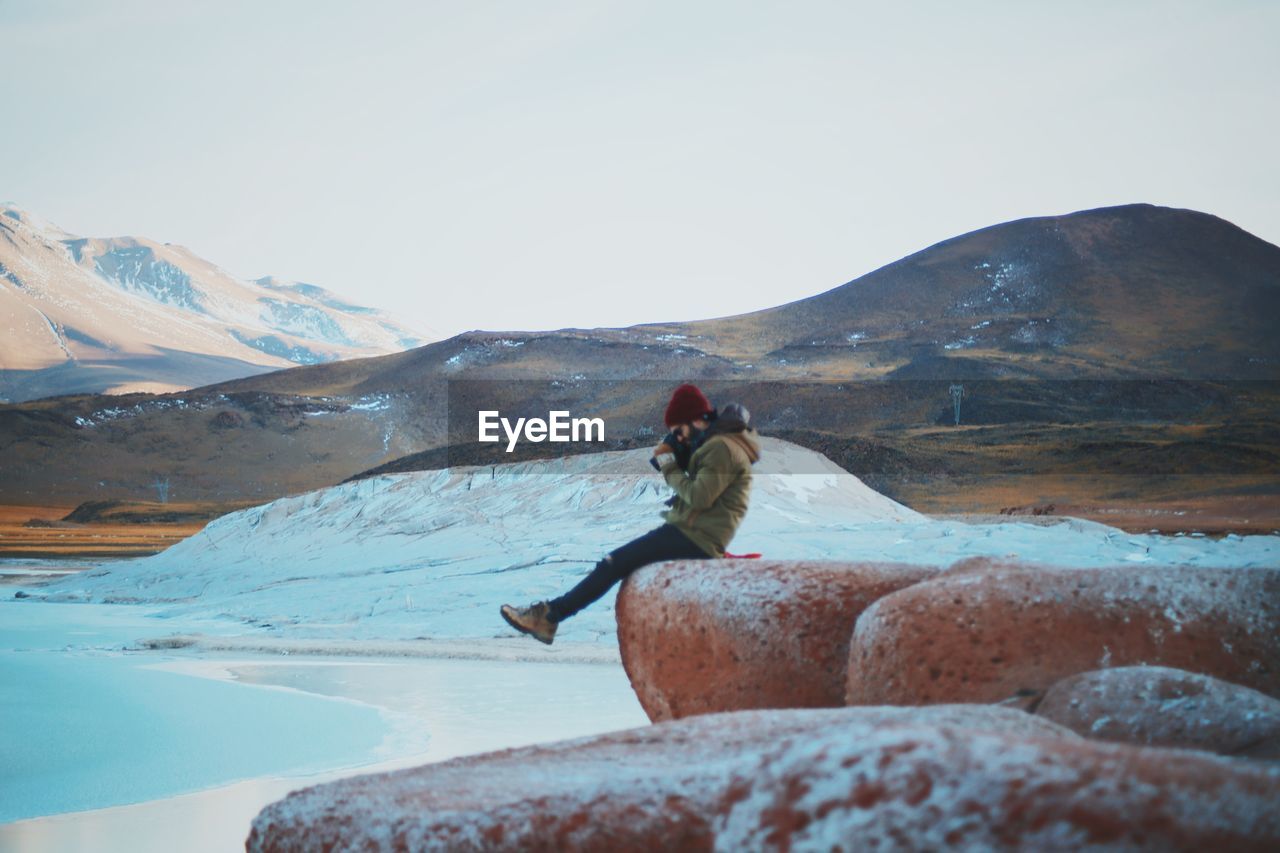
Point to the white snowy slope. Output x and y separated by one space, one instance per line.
126 313
433 554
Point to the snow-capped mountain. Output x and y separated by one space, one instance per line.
127 313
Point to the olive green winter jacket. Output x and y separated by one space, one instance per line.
711 498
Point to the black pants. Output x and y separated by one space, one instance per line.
663 543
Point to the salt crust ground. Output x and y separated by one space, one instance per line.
433 554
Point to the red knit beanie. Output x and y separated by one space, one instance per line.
687 405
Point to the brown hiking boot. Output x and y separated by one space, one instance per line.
531 620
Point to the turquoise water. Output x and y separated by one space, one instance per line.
84 726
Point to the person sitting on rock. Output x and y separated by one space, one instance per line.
706 459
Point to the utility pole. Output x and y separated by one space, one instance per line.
957 394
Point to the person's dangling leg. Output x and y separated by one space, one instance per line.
662 543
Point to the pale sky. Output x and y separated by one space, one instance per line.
536 165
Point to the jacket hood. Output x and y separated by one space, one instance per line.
746 439
733 417
734 424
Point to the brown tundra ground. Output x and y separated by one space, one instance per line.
108 529
137 528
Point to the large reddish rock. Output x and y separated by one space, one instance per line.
1159 706
996 635
850 778
727 635
945 789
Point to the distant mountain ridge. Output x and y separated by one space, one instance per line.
1136 291
126 314
1134 323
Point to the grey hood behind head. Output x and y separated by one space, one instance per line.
734 423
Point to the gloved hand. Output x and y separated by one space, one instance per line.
674 445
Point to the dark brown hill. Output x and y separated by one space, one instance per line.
1137 290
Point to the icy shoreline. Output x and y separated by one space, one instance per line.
408 712
500 649
428 557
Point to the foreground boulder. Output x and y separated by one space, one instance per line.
850 778
730 635
1158 706
1002 634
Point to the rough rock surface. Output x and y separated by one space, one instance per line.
731 635
993 636
849 778
1158 706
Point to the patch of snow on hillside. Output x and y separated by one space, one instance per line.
115 413
304 321
371 403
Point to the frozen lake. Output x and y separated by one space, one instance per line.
109 749
432 554
107 746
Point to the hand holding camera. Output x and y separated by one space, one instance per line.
672 444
